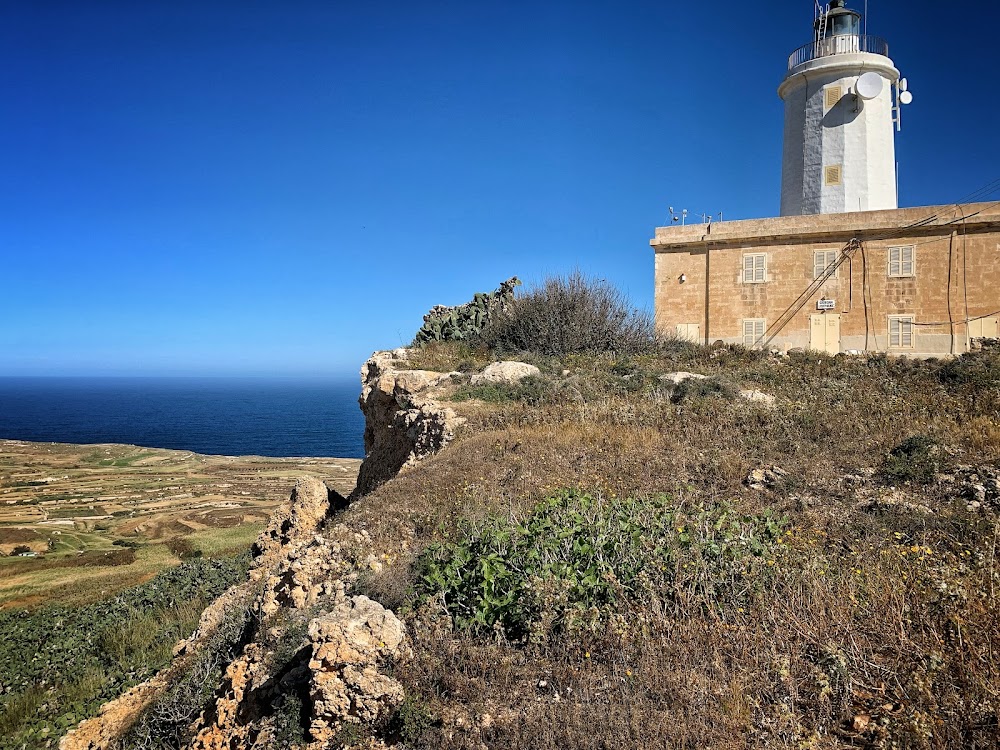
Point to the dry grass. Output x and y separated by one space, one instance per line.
877 625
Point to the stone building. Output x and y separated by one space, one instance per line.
919 281
842 268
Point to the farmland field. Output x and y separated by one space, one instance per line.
81 522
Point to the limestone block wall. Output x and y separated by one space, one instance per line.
955 277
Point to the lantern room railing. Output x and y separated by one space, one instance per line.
840 44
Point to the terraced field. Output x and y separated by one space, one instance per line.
79 522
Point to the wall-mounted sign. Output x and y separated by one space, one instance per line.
825 304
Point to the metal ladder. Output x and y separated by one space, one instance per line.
824 14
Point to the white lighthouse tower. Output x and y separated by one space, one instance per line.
839 154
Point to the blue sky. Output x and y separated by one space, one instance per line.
207 187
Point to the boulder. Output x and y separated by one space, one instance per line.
350 644
505 372
676 378
764 399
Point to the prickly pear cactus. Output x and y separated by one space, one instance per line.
455 323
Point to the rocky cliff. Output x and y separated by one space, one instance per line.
296 634
403 420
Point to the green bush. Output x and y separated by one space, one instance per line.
578 558
532 390
567 315
702 387
917 459
166 724
410 722
61 663
975 369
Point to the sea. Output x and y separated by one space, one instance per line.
281 416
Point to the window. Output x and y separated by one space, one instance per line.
833 174
901 331
822 260
754 268
753 331
901 261
832 95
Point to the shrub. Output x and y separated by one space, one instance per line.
167 722
916 459
410 722
567 315
701 387
182 548
531 390
61 663
975 370
578 558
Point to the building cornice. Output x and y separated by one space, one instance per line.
865 225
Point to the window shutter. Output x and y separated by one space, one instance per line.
901 331
822 260
759 268
906 333
753 331
906 261
901 261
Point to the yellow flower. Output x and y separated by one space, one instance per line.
586 655
915 548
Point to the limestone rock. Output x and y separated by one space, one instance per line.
309 505
504 372
349 646
765 477
403 421
759 397
676 378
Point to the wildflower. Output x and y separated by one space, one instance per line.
586 655
915 548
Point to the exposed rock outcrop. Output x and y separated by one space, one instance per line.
348 647
403 421
295 567
505 372
305 565
308 507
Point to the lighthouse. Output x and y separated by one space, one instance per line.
840 117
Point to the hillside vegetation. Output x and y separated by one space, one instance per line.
644 544
604 559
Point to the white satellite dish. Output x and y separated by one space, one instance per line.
903 84
869 85
905 97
